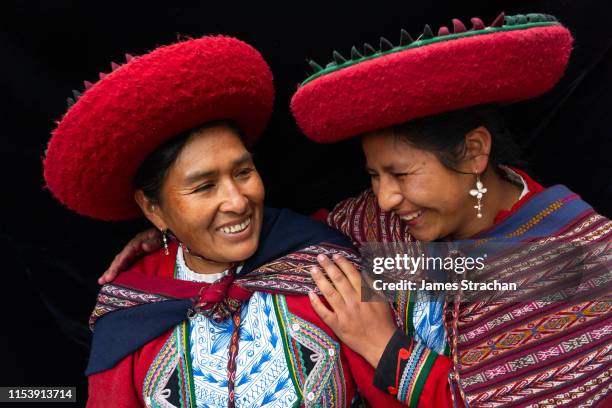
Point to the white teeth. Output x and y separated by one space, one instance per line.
411 216
233 229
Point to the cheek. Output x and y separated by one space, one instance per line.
375 185
443 194
255 189
419 191
193 213
453 195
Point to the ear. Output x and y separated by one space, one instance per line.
151 210
477 148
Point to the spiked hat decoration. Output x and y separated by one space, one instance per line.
515 58
111 128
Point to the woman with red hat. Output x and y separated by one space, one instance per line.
219 316
438 154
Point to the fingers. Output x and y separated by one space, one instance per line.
328 290
122 261
111 273
142 243
349 269
337 277
324 313
151 241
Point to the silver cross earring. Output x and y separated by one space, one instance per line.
478 192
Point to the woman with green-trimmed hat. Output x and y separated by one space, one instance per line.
443 169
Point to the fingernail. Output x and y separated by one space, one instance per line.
314 270
321 258
311 295
336 257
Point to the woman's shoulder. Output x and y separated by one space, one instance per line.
156 263
285 232
361 219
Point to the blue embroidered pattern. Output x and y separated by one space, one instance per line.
427 319
262 376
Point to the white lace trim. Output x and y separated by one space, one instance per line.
185 273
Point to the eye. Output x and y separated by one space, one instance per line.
373 175
204 187
245 172
399 175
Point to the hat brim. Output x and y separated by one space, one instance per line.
501 66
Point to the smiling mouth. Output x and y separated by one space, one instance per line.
236 228
412 216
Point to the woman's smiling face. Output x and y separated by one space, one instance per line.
413 183
212 197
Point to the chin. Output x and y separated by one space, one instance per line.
425 236
241 252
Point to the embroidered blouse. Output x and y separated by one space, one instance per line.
262 373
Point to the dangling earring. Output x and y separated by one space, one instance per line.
478 193
165 241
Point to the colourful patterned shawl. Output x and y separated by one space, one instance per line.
142 303
553 350
528 353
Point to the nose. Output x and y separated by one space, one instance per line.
389 194
234 200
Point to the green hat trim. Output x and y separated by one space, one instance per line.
501 23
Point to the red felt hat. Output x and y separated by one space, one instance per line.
116 123
515 58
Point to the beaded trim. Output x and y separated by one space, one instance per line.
324 385
173 357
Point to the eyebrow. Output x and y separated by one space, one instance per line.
388 168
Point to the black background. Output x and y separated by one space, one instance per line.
53 257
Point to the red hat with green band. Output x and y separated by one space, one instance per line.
515 58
